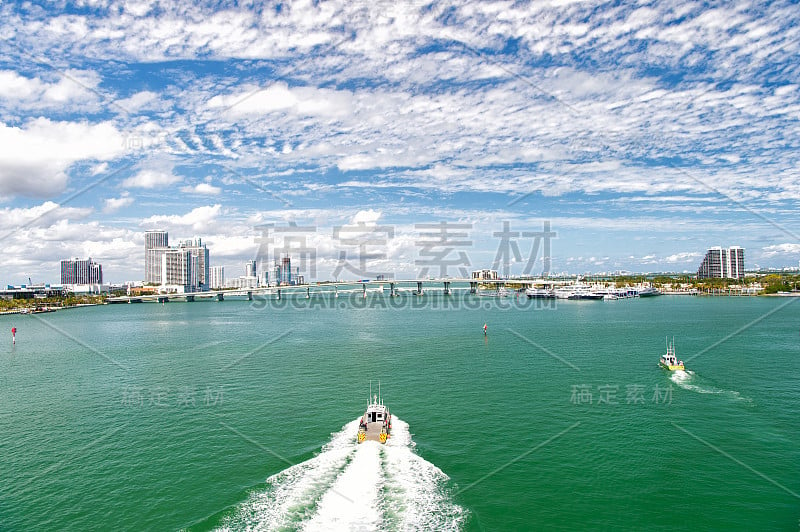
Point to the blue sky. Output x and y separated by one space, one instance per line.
643 133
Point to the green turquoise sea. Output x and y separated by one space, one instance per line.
242 415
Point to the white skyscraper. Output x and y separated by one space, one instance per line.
156 244
184 267
719 262
216 277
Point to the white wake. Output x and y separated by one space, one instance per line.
351 486
688 381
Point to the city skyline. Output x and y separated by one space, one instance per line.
642 134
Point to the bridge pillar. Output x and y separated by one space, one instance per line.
419 288
447 288
220 297
279 294
189 299
308 292
249 295
473 288
391 289
364 289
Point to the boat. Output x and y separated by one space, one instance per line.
563 292
669 360
649 292
584 292
540 293
376 423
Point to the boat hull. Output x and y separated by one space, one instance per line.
672 367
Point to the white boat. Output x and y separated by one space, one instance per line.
584 292
649 292
668 360
540 293
376 423
563 292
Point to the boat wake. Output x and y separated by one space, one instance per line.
689 381
351 486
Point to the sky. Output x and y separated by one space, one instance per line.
405 138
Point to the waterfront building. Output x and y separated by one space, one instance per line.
216 277
182 268
199 253
179 270
722 263
286 270
484 275
243 281
156 244
78 271
250 269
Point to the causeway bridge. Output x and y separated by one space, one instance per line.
416 286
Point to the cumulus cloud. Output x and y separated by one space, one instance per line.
788 248
115 204
368 216
36 157
154 174
206 189
200 219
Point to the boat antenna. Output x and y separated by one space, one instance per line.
379 392
369 397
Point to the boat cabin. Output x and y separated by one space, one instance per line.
375 414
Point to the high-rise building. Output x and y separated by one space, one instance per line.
275 274
250 269
722 263
286 270
199 252
78 271
179 268
190 272
216 277
156 243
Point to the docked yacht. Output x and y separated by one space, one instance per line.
376 423
540 293
584 292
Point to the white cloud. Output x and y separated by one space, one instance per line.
151 178
71 88
369 217
35 158
685 256
788 248
144 100
43 216
200 219
206 189
114 204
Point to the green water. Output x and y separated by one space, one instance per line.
134 417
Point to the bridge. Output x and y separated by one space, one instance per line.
418 287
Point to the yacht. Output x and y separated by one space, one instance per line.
584 292
540 293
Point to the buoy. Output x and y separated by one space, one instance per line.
13 335
484 329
